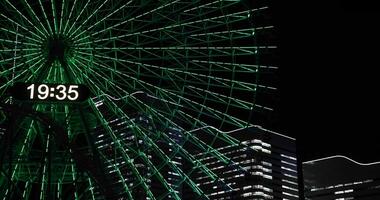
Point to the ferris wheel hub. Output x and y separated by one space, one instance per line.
58 48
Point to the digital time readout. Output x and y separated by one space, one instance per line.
50 92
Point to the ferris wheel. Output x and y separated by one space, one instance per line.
166 82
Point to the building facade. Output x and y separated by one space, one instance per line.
341 178
263 166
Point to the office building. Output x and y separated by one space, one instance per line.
263 166
341 178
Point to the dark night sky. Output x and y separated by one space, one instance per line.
329 79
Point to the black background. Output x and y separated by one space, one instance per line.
329 77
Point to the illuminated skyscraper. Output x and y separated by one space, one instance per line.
341 178
263 166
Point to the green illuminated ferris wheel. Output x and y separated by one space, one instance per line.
167 82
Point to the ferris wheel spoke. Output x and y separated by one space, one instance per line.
179 34
18 75
213 132
100 21
76 72
45 16
25 148
103 83
173 102
54 11
173 82
116 141
130 18
158 174
33 14
21 26
228 66
233 34
166 160
69 17
178 48
119 145
212 6
193 39
213 112
18 50
147 25
28 189
17 57
91 188
13 69
238 16
196 164
60 23
24 17
98 89
17 171
203 78
178 54
79 15
18 42
189 157
87 19
35 73
113 165
196 141
20 35
44 181
220 98
163 18
124 75
107 83
224 99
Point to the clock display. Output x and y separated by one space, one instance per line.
50 92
